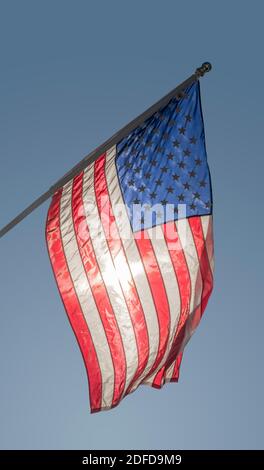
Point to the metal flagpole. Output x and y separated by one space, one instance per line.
200 71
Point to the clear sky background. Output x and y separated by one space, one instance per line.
73 73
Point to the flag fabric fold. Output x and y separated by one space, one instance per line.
130 241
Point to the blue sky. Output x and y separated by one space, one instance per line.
72 74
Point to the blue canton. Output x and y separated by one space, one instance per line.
163 164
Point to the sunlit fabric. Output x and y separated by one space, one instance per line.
131 245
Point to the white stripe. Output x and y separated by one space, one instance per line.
111 274
169 372
207 226
171 286
134 262
192 262
85 297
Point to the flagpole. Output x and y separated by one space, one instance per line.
91 157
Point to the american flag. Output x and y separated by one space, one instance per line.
131 246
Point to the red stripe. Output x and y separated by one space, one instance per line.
119 257
184 284
71 302
161 378
207 278
158 292
176 370
209 239
98 289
